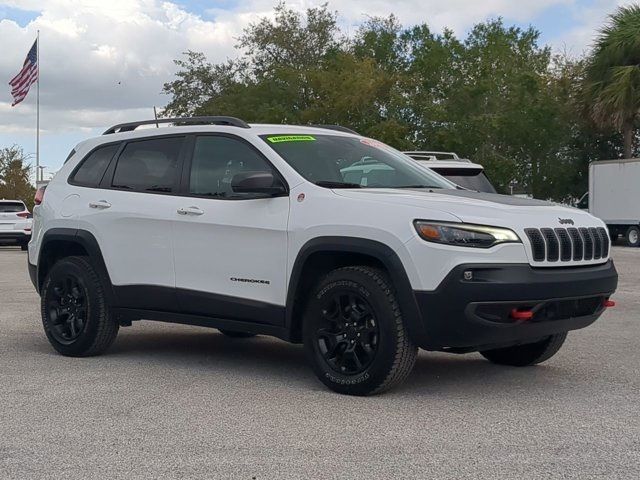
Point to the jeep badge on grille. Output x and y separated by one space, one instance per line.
565 221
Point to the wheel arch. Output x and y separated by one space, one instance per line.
323 254
58 243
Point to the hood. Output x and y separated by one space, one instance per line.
481 208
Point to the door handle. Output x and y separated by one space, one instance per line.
100 204
190 211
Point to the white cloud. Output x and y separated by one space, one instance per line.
98 57
588 20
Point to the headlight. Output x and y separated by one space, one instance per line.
464 234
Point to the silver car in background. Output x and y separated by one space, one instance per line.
15 223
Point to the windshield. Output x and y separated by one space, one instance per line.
471 178
351 162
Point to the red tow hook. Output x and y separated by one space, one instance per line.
521 314
609 303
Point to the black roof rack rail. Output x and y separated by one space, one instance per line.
215 120
337 128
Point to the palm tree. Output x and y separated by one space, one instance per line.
612 80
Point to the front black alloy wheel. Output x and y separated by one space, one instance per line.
353 332
75 315
348 333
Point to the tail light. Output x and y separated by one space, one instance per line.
24 214
39 195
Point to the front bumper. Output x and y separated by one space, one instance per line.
475 312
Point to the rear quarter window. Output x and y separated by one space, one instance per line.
92 168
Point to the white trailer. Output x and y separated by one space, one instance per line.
614 196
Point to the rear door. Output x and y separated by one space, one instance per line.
230 249
131 215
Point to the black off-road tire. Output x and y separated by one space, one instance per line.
99 328
394 353
527 354
235 334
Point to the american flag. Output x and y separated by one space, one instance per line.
21 83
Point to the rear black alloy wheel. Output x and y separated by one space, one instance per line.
67 308
353 332
348 333
75 315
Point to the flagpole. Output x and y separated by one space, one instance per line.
38 110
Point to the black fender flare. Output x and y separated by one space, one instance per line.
88 242
363 246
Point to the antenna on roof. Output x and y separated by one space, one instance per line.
155 114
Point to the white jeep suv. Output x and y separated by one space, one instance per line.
253 229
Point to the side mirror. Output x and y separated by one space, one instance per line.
257 182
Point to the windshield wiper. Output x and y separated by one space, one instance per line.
331 184
418 186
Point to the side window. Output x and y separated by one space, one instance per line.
216 160
148 165
93 167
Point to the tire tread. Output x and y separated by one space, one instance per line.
406 351
107 327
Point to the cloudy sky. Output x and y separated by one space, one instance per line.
103 62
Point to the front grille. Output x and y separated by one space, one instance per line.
578 244
553 248
537 244
566 244
588 243
604 235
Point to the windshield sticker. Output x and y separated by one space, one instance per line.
291 138
372 143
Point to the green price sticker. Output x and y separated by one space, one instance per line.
291 138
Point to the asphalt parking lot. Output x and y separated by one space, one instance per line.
185 402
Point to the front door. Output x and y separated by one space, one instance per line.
230 249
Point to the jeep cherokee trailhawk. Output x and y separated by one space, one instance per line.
256 229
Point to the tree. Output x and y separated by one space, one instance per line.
612 84
14 176
197 81
497 96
